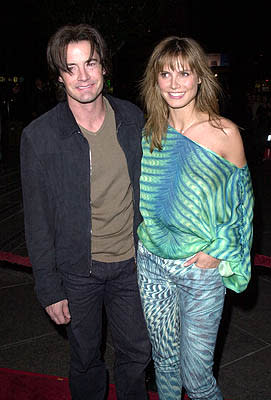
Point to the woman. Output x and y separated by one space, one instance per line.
196 202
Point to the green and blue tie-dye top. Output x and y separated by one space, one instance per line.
194 200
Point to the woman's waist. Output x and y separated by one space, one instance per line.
173 247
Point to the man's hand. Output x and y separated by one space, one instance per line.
59 312
203 260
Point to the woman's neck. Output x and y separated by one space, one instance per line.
181 119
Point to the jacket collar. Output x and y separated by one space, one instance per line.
67 123
114 102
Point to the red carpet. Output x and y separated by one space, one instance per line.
19 385
14 259
260 260
263 261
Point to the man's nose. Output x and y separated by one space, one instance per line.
83 75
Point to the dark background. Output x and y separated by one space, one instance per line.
132 28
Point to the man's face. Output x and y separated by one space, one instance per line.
84 81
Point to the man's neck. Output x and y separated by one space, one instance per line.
90 115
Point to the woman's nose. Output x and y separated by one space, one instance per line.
175 81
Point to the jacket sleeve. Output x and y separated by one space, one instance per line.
39 224
234 238
137 173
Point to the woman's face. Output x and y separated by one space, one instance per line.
178 86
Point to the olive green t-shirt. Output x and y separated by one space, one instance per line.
111 194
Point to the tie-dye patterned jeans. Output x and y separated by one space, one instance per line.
182 307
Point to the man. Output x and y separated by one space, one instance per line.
80 166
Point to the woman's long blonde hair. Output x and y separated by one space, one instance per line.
169 52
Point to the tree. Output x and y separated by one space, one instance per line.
117 20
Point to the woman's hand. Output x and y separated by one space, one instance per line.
202 260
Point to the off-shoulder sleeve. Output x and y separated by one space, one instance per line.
233 241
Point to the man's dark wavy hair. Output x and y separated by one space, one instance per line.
58 43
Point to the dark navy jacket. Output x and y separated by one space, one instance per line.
55 172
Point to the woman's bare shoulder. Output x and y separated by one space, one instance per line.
229 126
231 140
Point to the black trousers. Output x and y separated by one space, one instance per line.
113 285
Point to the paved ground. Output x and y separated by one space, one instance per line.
29 341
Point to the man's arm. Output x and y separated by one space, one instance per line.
39 216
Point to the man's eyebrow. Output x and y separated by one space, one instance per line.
88 60
92 59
